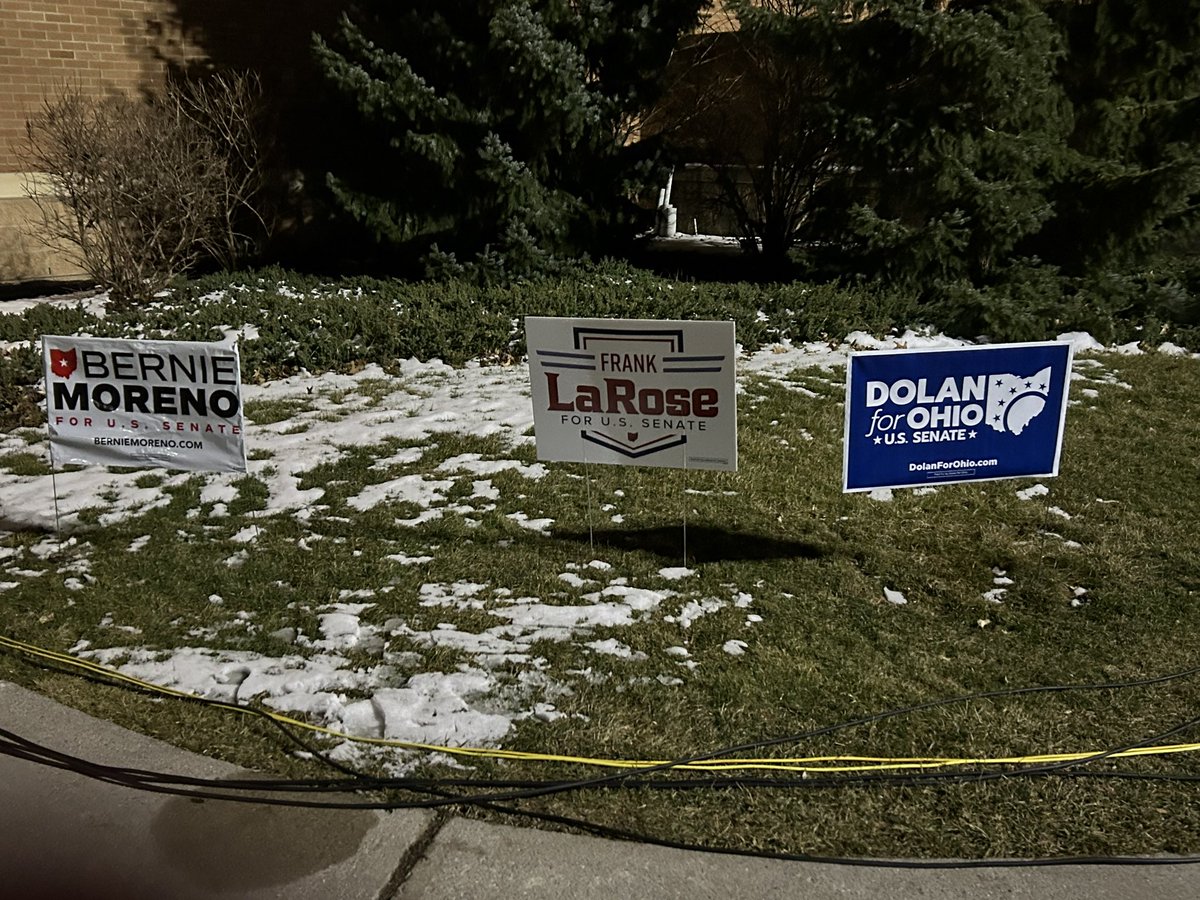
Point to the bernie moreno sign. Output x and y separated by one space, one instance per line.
634 392
941 416
170 404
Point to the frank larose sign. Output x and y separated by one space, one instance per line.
634 392
171 404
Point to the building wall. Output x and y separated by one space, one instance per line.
22 256
103 47
129 46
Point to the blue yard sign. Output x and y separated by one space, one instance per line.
941 416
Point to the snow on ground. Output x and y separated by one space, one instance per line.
93 303
330 415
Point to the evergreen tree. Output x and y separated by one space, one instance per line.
952 128
906 138
1132 180
496 132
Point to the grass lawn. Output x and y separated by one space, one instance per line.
548 598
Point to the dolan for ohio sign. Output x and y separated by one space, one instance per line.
919 417
634 392
170 404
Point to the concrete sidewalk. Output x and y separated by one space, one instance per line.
63 835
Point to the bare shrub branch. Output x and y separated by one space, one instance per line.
142 191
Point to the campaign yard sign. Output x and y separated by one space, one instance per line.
634 392
948 415
170 404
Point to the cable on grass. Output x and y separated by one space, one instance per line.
442 791
1050 762
22 748
716 760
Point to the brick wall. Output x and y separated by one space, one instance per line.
126 46
103 45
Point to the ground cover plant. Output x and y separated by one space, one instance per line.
396 563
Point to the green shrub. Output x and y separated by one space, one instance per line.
304 322
1031 301
20 404
307 323
1027 304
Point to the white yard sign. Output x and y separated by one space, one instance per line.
634 392
170 404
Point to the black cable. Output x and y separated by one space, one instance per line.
543 788
618 777
47 756
749 746
625 776
15 745
160 783
867 862
623 834
94 677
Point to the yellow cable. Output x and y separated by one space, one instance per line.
810 764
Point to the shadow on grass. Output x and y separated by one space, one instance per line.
705 543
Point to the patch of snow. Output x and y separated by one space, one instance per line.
1037 490
415 489
94 305
539 525
432 708
1168 349
406 560
477 465
342 628
676 573
693 610
460 595
405 457
613 647
1081 341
